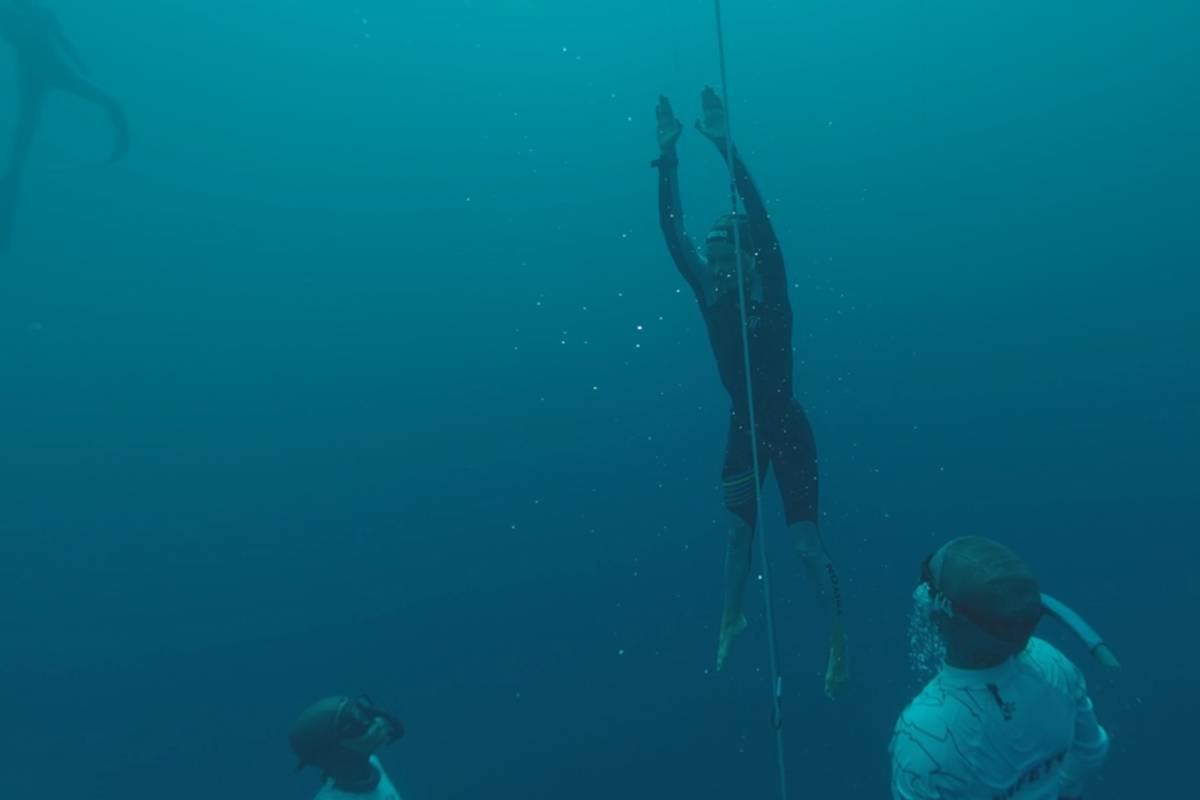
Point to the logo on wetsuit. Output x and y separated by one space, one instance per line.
1006 708
1046 769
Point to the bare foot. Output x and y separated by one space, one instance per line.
728 631
837 671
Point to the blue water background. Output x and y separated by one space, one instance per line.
368 370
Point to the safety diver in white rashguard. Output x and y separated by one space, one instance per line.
339 735
1007 716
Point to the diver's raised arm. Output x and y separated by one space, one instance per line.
670 209
714 125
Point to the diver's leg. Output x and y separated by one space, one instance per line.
788 438
31 96
739 485
81 87
824 577
10 190
795 456
818 567
738 559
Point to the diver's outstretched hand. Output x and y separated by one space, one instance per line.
837 672
668 125
714 124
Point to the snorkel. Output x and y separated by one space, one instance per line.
989 597
1084 632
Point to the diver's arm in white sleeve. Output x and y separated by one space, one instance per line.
1089 748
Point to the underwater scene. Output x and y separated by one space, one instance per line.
646 399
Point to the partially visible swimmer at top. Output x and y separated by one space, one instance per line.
746 245
45 60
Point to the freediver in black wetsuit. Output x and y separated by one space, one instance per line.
45 60
785 440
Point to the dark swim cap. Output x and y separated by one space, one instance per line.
315 733
325 725
988 584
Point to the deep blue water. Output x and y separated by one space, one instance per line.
368 370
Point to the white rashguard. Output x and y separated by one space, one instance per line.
384 791
1024 730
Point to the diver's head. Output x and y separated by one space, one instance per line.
721 248
339 734
983 599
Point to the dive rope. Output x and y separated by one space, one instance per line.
734 202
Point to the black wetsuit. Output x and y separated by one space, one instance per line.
784 435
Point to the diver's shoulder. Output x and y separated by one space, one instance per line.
924 745
932 709
1041 653
921 727
386 790
1050 664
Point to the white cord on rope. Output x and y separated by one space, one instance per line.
734 200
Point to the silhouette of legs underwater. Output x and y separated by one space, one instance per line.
32 89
